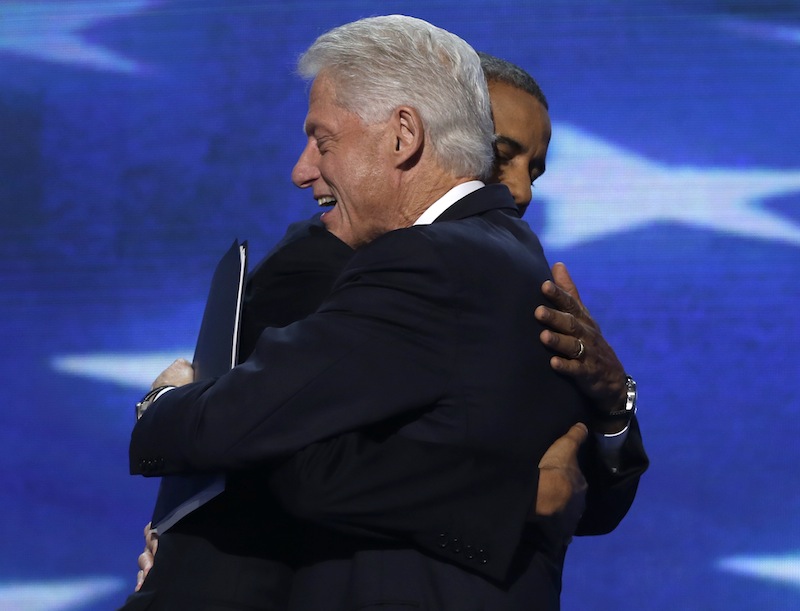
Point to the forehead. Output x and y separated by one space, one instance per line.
518 115
323 111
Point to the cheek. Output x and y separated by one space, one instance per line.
371 181
359 188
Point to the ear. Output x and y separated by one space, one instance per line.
409 136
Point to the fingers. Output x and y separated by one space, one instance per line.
564 338
560 298
566 345
145 564
559 321
569 323
580 351
147 557
145 561
180 372
564 280
563 294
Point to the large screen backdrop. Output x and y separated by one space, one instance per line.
139 138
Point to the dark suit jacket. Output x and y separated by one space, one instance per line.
236 552
425 304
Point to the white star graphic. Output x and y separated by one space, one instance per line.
56 595
597 189
594 188
762 30
51 31
136 370
785 569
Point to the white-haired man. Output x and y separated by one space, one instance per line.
423 334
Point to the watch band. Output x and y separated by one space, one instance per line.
147 400
629 410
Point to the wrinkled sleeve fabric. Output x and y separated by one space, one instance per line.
378 347
610 494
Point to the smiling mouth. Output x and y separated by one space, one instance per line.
326 201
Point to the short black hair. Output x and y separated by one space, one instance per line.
501 70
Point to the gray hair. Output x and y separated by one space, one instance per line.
503 71
380 63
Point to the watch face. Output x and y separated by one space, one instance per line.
630 400
141 407
147 400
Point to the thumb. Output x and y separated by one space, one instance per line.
578 433
565 448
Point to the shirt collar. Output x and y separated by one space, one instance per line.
448 199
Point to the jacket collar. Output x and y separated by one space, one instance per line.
487 198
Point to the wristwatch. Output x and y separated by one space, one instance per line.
629 410
147 400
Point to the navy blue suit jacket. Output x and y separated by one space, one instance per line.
237 551
428 332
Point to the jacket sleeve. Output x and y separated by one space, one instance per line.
610 494
348 365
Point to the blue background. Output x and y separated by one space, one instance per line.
138 138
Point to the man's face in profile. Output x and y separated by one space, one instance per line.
345 164
522 126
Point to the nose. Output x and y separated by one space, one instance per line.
519 183
306 170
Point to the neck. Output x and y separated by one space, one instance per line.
420 192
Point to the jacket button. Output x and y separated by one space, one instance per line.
469 552
455 545
483 556
443 540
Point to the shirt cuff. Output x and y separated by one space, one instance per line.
609 446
